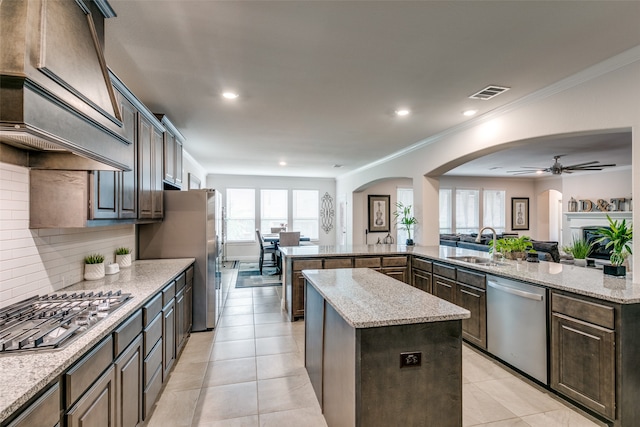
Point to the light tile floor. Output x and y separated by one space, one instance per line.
250 372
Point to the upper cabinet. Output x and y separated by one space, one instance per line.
172 166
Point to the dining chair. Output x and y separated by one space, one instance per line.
264 250
289 238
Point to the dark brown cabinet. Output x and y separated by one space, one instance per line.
129 386
421 275
471 294
168 338
396 267
150 142
444 288
172 164
114 194
45 411
96 407
583 353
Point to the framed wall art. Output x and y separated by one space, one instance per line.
379 213
519 213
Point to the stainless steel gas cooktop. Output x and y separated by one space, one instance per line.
51 321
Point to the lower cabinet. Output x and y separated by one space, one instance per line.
421 274
474 329
97 407
129 386
168 338
583 352
44 412
444 288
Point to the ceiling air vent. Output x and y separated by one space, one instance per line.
489 92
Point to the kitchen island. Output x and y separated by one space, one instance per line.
379 352
591 320
24 375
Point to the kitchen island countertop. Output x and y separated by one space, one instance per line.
24 374
368 299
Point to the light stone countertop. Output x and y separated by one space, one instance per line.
580 280
367 299
23 375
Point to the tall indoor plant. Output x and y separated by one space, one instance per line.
405 220
618 237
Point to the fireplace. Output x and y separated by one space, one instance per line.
598 250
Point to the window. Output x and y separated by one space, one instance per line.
306 213
404 196
467 211
273 209
494 210
241 211
446 218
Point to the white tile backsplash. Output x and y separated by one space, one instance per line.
36 262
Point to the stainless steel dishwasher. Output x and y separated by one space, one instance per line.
517 325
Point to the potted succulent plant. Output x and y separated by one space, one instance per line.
123 257
512 247
94 267
532 256
618 237
579 250
405 220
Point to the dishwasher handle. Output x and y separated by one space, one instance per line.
514 291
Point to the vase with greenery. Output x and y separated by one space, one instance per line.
579 250
123 257
617 237
512 247
94 267
405 220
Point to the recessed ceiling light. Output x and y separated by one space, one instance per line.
283 163
230 95
403 112
469 113
539 172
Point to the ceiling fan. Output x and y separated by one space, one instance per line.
557 168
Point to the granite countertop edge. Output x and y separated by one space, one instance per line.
584 281
24 375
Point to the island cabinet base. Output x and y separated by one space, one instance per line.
357 375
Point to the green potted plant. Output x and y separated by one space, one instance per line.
579 250
405 220
618 237
532 256
123 257
94 267
512 247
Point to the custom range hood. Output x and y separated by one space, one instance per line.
58 108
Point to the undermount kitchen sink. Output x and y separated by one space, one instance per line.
478 260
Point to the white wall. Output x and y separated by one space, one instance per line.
37 262
191 166
603 97
250 251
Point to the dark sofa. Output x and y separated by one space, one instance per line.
547 251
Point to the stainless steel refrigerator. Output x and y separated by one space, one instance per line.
192 227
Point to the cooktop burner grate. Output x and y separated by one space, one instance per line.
51 321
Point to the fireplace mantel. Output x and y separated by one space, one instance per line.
578 220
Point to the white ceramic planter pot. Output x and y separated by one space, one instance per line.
93 271
123 261
580 262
